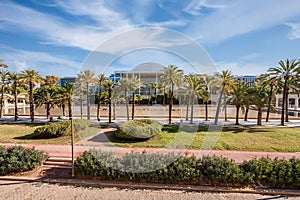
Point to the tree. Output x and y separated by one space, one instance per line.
193 88
31 77
156 87
87 78
226 81
238 96
109 87
100 80
68 94
205 93
286 71
51 81
4 78
124 85
171 79
135 83
14 79
46 96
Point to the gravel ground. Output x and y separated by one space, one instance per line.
29 191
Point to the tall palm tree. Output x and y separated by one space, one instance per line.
125 85
205 93
51 81
135 83
109 87
4 78
238 95
171 79
286 71
100 80
78 91
14 79
46 96
31 77
68 93
156 87
194 88
87 77
226 81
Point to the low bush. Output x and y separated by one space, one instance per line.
142 129
18 159
171 168
55 130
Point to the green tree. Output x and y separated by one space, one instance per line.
51 81
68 94
286 71
4 78
48 97
238 96
205 92
226 81
87 79
171 79
14 79
135 83
109 87
125 85
100 79
31 77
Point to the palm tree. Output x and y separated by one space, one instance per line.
238 95
193 87
171 79
87 79
51 81
124 85
225 80
135 83
156 87
149 87
286 71
14 79
46 96
100 80
205 93
4 78
78 90
109 86
31 77
68 93
247 101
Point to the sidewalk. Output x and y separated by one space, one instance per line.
238 156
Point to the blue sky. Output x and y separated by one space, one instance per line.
56 37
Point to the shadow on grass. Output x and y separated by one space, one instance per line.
29 124
247 129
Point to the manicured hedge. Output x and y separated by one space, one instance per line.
141 129
55 130
18 159
188 170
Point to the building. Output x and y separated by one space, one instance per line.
63 81
248 80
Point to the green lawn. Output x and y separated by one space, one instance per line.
16 133
231 138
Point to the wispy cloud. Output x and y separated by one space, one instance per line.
195 7
294 32
241 17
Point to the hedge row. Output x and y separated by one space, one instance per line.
55 130
141 129
18 159
188 170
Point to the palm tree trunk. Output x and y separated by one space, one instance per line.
114 111
148 96
98 106
164 98
287 105
219 105
283 102
31 102
246 113
126 103
237 115
16 103
192 108
187 107
70 107
64 110
206 111
1 99
225 107
88 104
269 103
109 106
171 105
133 103
259 117
47 110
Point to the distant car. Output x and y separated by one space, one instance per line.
61 117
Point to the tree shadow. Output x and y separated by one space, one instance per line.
247 129
29 124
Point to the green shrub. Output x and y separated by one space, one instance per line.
274 173
18 159
55 130
138 129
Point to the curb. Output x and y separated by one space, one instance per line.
153 186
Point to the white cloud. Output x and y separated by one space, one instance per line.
195 7
294 32
242 68
241 17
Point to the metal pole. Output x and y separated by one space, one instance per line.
72 143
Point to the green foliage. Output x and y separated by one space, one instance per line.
171 168
18 159
55 130
142 129
275 173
